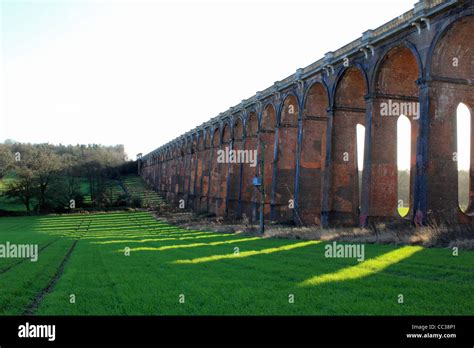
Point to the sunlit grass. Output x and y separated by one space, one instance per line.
365 268
246 253
192 245
165 261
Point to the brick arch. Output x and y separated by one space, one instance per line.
349 110
450 68
238 129
267 139
397 72
214 171
289 111
206 168
174 171
247 196
351 88
187 168
181 168
286 159
313 154
192 171
223 166
251 127
233 194
396 93
199 170
162 186
455 41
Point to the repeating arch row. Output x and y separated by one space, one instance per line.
301 140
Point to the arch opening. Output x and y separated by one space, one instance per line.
350 110
284 204
247 195
463 155
313 154
394 134
360 135
403 164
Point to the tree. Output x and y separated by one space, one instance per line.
6 159
23 188
44 164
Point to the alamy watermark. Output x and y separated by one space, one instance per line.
397 108
24 251
336 250
237 156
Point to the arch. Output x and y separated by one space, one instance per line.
181 163
187 167
360 146
397 72
206 168
463 155
238 129
235 167
267 141
392 50
251 126
313 154
447 45
450 68
286 160
289 111
223 168
192 170
199 170
397 93
249 170
268 118
356 72
207 138
403 164
349 110
214 171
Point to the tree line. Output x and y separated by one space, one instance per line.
48 178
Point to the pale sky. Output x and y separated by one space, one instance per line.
141 73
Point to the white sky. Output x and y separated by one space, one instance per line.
140 73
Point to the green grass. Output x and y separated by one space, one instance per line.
166 261
136 188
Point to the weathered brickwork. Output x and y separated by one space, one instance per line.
303 129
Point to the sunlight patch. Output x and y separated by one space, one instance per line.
247 253
366 268
192 245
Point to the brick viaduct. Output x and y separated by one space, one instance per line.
305 128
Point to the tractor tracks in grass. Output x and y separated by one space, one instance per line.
8 268
31 309
138 222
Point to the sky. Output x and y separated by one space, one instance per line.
141 73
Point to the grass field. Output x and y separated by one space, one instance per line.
136 189
166 262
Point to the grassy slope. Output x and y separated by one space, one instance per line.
136 188
166 261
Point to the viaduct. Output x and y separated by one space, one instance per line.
304 131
